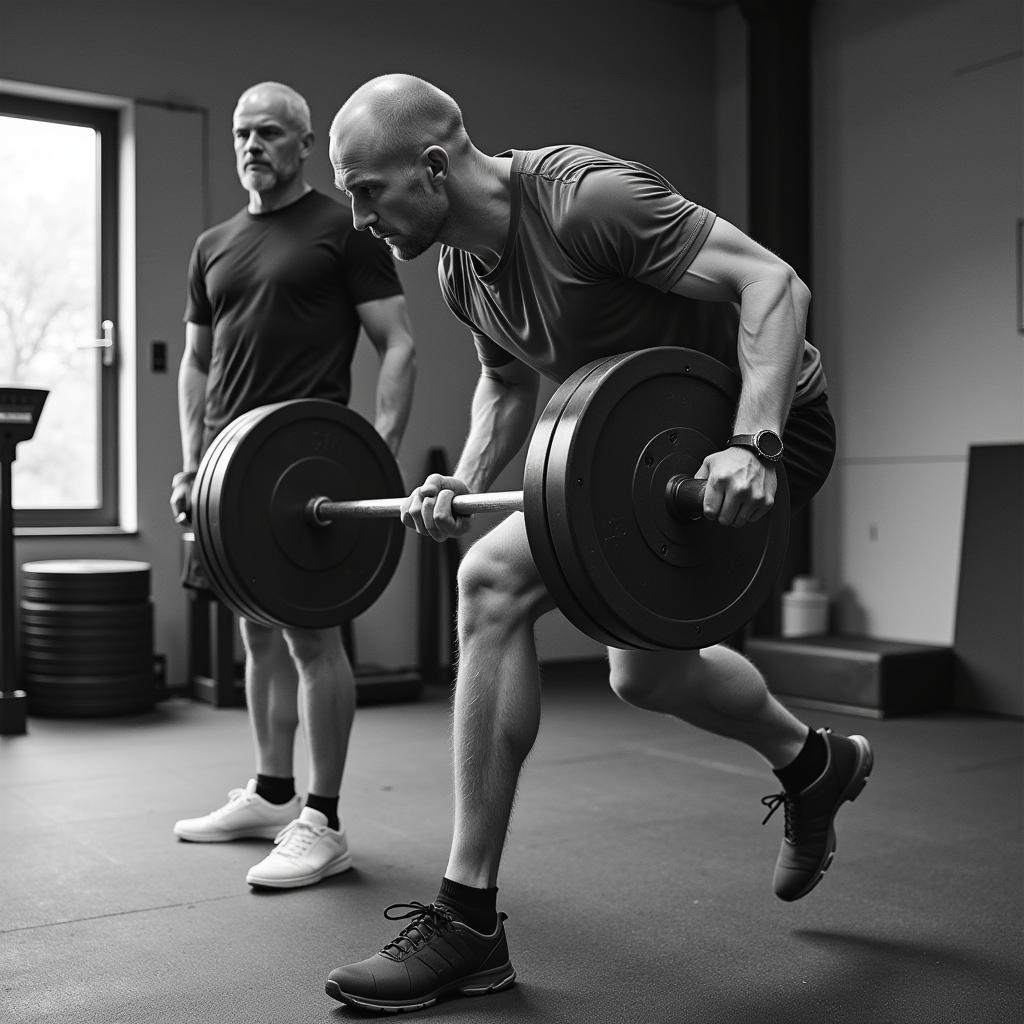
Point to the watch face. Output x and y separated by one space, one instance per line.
769 444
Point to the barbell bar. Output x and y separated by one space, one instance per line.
684 498
286 526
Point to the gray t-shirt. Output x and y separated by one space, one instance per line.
594 247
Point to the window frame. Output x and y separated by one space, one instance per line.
106 122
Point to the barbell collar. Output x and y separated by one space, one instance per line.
322 511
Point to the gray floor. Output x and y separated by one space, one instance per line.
637 877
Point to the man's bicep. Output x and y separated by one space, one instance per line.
385 320
198 345
727 262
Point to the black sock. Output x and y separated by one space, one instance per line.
275 789
325 805
476 907
806 766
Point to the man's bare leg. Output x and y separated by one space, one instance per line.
715 689
326 702
497 696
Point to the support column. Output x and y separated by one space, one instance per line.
779 183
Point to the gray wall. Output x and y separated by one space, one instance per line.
636 81
918 178
917 184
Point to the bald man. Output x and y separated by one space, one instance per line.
277 296
553 258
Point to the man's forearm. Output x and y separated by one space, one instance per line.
500 423
395 382
191 409
773 322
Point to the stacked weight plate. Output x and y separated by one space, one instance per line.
87 637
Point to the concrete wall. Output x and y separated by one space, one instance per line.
633 79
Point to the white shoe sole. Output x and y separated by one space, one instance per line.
333 867
257 832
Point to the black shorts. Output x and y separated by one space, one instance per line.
809 438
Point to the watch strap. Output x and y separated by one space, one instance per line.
751 441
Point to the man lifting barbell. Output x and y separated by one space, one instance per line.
555 258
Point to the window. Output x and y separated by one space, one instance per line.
58 304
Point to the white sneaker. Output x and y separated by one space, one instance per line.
246 815
305 852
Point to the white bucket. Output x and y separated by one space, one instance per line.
805 608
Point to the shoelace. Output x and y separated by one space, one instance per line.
235 797
297 837
773 802
427 921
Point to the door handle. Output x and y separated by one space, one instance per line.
106 342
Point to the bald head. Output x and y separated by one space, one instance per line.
403 115
277 98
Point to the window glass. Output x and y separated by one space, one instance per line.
57 289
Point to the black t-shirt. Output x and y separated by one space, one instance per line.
280 291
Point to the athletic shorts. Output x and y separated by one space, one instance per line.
809 440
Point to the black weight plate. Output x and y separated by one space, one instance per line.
240 600
121 696
112 680
558 484
90 706
114 662
45 639
85 616
71 568
86 580
85 609
200 497
207 513
86 640
277 563
716 579
60 593
205 495
535 508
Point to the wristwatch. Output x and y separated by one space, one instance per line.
765 444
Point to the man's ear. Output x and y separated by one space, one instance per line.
437 163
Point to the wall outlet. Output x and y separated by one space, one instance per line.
158 356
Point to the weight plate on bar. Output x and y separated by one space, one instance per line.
535 509
204 492
268 562
557 484
604 504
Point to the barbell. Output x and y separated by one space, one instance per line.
296 508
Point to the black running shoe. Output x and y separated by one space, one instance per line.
809 840
433 955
